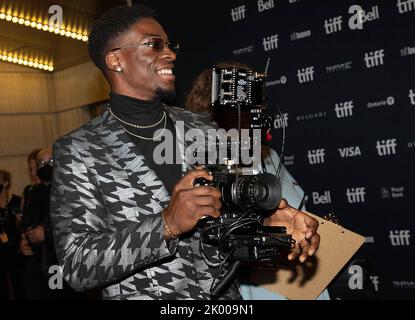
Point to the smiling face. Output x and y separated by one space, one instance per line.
143 70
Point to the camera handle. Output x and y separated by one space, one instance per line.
226 278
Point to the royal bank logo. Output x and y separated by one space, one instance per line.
407 51
265 5
300 35
238 13
289 160
389 101
281 81
316 156
344 109
270 42
374 58
280 122
241 51
333 25
305 74
339 67
350 152
360 17
324 198
311 116
400 238
412 97
392 192
355 195
386 147
405 6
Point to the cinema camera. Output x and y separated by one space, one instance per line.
238 96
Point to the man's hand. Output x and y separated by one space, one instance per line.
24 247
188 203
301 226
36 234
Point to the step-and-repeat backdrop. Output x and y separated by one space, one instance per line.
343 74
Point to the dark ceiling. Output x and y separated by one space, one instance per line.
62 51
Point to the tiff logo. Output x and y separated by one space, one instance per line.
265 5
271 42
405 6
281 122
344 109
305 74
375 282
333 25
355 195
316 156
399 237
348 152
374 58
238 13
412 96
321 199
386 147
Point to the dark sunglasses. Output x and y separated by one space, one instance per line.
157 44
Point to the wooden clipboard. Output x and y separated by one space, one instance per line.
307 281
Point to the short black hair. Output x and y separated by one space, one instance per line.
110 26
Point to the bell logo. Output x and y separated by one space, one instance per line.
349 152
316 156
344 109
400 237
412 96
374 58
238 13
405 6
333 24
386 147
323 199
360 16
305 74
270 43
265 5
355 195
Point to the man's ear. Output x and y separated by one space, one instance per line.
112 62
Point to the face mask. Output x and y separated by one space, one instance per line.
45 173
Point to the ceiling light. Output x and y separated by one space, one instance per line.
35 23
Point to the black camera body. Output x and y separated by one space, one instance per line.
246 200
247 195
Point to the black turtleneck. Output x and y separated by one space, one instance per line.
143 113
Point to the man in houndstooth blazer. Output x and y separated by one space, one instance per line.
115 224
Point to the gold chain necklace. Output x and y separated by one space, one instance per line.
147 138
135 125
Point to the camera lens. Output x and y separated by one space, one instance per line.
260 192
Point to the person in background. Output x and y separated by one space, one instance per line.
34 180
199 101
10 285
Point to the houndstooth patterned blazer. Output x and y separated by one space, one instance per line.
106 208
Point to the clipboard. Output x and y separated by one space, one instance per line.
306 281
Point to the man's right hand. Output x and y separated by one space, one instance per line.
25 248
188 203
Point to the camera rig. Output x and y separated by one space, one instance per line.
247 196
